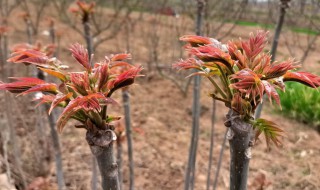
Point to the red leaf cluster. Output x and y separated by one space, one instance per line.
28 57
21 84
305 78
84 9
85 94
81 55
246 72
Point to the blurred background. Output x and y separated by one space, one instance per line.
161 100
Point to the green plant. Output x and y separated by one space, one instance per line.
84 96
301 103
246 73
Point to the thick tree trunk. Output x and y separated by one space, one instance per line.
119 161
101 144
239 134
108 168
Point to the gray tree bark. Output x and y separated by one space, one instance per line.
127 116
119 161
126 102
101 145
213 119
88 38
239 135
190 172
217 173
57 149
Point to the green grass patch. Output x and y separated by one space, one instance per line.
247 23
305 31
270 26
301 103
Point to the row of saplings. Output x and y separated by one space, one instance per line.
240 72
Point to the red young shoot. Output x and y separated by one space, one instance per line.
82 94
246 73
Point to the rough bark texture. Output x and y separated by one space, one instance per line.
101 145
94 177
119 161
239 134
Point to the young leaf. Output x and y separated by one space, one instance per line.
44 99
28 57
86 7
190 63
21 47
270 130
72 109
249 83
48 50
80 82
81 55
124 79
111 118
271 92
55 73
103 75
255 44
277 70
86 103
46 87
210 53
235 53
58 99
305 78
261 64
21 84
195 41
121 57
